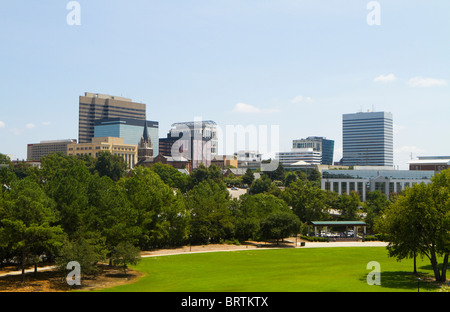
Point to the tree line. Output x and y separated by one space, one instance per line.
79 208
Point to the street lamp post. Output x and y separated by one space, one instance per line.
418 284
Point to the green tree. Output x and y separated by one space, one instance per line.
6 178
171 176
125 254
248 177
251 210
280 224
260 185
110 165
209 206
151 199
418 223
85 251
66 182
109 213
277 174
349 206
27 221
203 173
290 177
374 206
314 176
308 202
4 159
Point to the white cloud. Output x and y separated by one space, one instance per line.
403 154
30 126
300 98
409 149
16 131
385 78
2 124
398 128
247 108
46 123
426 82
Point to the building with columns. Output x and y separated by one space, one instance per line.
115 146
368 180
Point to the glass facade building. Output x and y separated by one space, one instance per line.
318 144
368 139
206 129
93 106
130 130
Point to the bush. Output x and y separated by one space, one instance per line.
314 239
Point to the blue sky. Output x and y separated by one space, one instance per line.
295 64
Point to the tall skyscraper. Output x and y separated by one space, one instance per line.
368 139
93 106
318 144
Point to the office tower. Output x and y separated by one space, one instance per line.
195 141
115 146
318 144
93 106
206 129
367 139
36 151
129 129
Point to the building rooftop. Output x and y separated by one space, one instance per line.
440 161
373 174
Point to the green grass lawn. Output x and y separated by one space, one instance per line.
280 270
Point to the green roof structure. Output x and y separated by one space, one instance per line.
337 223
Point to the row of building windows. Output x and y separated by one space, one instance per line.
107 106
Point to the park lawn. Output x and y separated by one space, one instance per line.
333 269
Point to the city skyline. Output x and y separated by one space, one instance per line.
295 64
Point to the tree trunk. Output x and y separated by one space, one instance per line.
23 265
415 264
435 266
444 269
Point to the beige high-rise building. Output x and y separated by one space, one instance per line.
93 106
113 145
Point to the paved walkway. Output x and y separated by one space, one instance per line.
344 244
222 248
